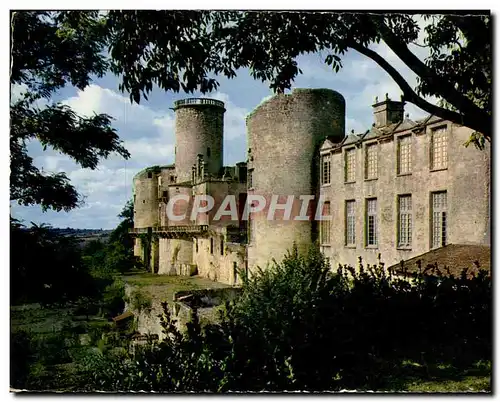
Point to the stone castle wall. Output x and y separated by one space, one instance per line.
198 130
284 135
466 181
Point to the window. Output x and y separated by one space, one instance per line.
250 229
439 219
235 272
350 223
222 245
371 162
250 178
150 175
371 222
196 244
325 169
325 225
350 165
404 221
208 152
211 245
404 155
172 179
439 149
165 193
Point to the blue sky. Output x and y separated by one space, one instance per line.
148 129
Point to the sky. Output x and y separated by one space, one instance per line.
147 129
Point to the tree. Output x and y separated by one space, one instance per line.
116 255
119 249
187 50
45 266
49 51
299 326
120 233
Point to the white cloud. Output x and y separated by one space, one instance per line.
234 117
354 124
95 99
17 91
147 133
148 129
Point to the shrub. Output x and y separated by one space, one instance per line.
21 358
300 326
113 298
140 300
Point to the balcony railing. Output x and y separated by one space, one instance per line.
171 230
181 229
138 230
198 101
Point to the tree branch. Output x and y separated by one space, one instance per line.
410 95
419 45
446 90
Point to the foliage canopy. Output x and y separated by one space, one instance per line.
51 50
189 50
193 48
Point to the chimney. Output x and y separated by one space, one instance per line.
388 111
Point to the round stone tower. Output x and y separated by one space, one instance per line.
146 201
199 127
146 206
284 135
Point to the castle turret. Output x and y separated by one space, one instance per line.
199 126
284 136
146 215
146 198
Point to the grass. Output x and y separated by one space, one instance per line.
163 287
54 338
413 377
409 377
39 320
466 384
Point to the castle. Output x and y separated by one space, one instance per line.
397 190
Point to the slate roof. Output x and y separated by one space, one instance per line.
387 131
351 139
406 124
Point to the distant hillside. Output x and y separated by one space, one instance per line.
81 232
84 236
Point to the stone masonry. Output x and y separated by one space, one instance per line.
396 191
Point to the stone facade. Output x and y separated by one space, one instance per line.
398 173
284 135
407 221
199 127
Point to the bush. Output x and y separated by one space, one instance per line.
300 326
113 298
140 301
21 358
